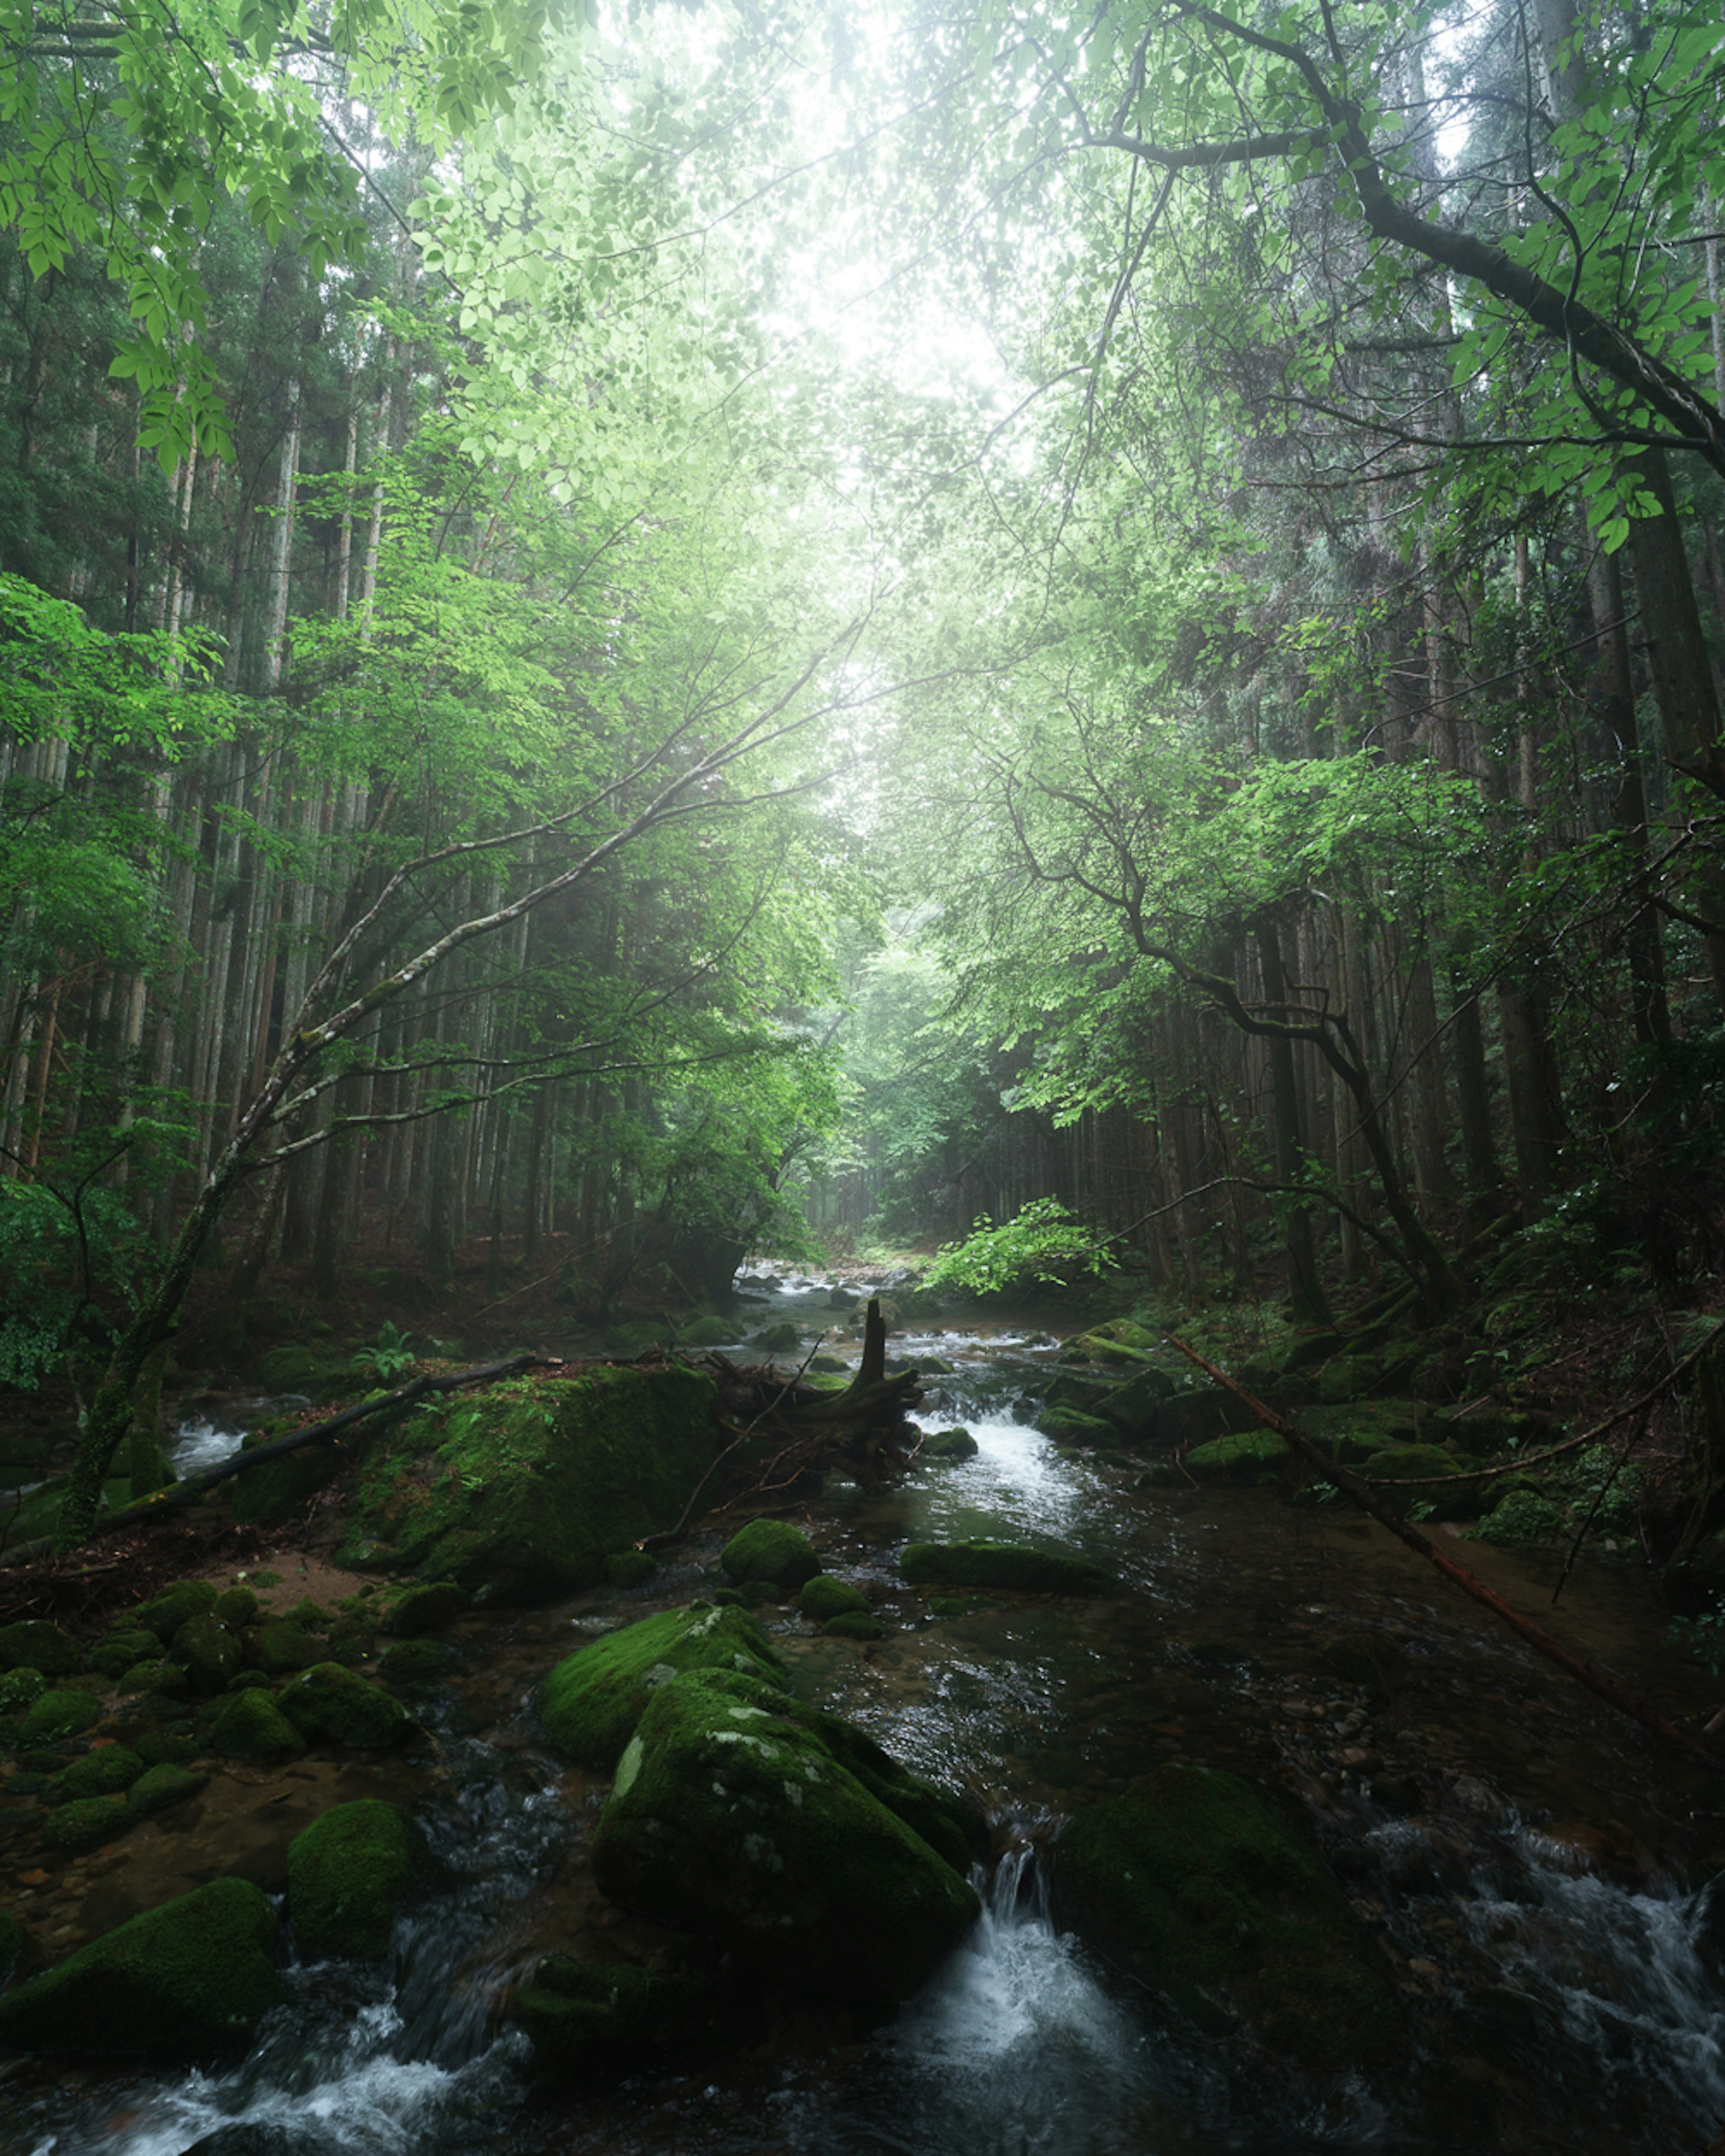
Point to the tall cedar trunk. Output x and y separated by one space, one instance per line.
1305 1282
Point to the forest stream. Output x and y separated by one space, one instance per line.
1522 1857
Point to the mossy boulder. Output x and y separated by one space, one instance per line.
416 1661
275 1491
210 1652
709 1332
1520 1520
237 1606
21 1688
1098 1348
777 1339
1134 1407
349 1875
948 1445
856 1624
167 1748
823 1597
530 1485
282 1651
196 1974
1199 1413
772 1550
423 1609
631 1567
1194 1885
88 1820
332 1703
607 2017
1347 1378
1072 1426
34 1643
1242 1457
122 1651
98 1773
164 1614
250 1725
62 1713
591 1702
1400 1463
159 1788
1015 1565
732 1815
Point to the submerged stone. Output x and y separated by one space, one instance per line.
732 1814
530 1485
1005 1565
856 1624
591 1702
198 1973
772 1550
349 1875
1194 1885
599 2017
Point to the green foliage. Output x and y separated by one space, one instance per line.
58 1284
1701 1636
1045 1242
391 1355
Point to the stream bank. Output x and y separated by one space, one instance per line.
1525 1864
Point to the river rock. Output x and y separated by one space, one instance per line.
57 1714
349 1875
34 1643
948 1445
283 1651
823 1597
731 1814
330 1702
1134 1407
197 1974
88 1820
98 1773
594 2017
1199 1413
422 1609
1072 1426
1408 1462
590 1703
856 1624
210 1652
250 1725
122 1649
1242 1458
1347 1378
159 1788
262 1495
1005 1565
531 1485
1191 1883
772 1550
164 1614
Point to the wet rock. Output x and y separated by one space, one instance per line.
1071 1426
1098 1348
1200 1414
98 1773
732 1815
1419 1462
284 1649
330 1702
592 2017
707 1332
948 1445
856 1624
590 1703
349 1876
250 2137
197 1974
1134 1407
777 1339
532 1483
237 1606
87 1821
122 1651
210 1652
165 1748
36 1644
21 1688
250 1725
164 1614
416 1661
1196 1887
1306 1350
631 1567
1005 1565
62 1713
1363 1659
773 1550
423 1610
159 1788
823 1597
1243 1457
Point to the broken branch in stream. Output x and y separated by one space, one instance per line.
1367 1498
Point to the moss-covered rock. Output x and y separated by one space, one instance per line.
332 1703
709 1332
164 1614
63 1714
955 1443
1200 1414
856 1624
823 1597
98 1773
278 1489
34 1643
593 2017
195 1974
1005 1565
423 1609
1241 1457
349 1875
1072 1426
122 1651
732 1813
1521 1519
157 1788
21 1688
532 1484
591 1702
237 1606
777 1339
773 1550
210 1652
631 1567
1194 1885
1347 1378
250 1725
167 1748
284 1649
1397 1463
416 1661
86 1821
1134 1407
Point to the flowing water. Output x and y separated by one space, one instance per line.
1523 1860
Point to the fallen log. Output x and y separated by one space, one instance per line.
1367 1498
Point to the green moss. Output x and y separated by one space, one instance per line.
237 1606
599 2017
349 1874
195 1973
1521 1519
415 1661
1011 1565
631 1567
732 1813
282 1650
856 1624
708 1333
250 1725
536 1484
1072 1426
164 1614
98 1773
948 1445
120 1652
590 1703
823 1597
210 1652
428 1609
279 1488
86 1821
169 1747
21 1688
1406 1462
1347 1378
772 1550
330 1702
59 1714
307 1615
1236 1458
142 1676
159 1787
1192 1884
34 1643
250 1680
